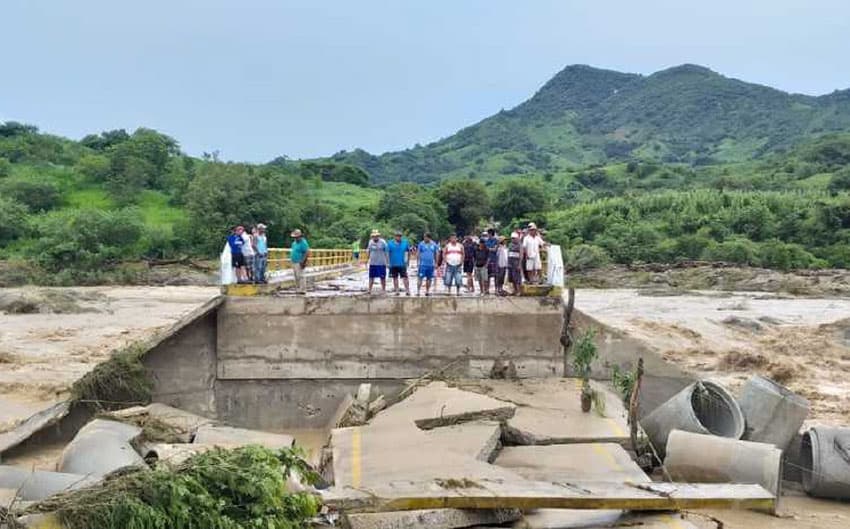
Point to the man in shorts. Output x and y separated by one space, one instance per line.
454 262
399 250
237 258
427 255
532 245
378 260
482 257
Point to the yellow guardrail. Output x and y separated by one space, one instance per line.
279 258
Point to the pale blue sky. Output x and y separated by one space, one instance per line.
259 78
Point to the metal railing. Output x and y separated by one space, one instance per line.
279 258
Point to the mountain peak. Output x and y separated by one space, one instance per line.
686 69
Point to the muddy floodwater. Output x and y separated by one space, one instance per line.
49 338
801 342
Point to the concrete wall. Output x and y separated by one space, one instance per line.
385 337
285 405
183 366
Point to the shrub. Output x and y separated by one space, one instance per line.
585 257
39 194
84 241
13 219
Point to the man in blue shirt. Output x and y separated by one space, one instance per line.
237 258
427 251
298 255
399 249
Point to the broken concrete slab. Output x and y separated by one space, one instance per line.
500 493
568 519
479 440
229 437
101 447
34 485
573 462
433 519
162 422
375 455
577 519
549 412
33 424
437 405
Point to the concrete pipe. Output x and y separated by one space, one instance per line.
36 485
825 456
702 407
699 458
101 447
773 413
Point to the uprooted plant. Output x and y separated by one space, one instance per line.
244 488
119 382
585 353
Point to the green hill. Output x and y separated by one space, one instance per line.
584 116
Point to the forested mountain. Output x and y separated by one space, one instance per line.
585 116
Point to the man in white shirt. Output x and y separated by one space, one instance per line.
454 264
532 245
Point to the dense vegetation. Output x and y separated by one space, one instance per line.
71 210
244 488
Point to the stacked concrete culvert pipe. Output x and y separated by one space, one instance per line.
773 413
699 458
101 447
825 457
703 407
35 485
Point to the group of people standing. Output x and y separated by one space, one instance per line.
485 259
249 255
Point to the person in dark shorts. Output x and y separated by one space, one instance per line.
399 251
515 263
493 260
378 260
427 255
482 256
237 258
469 262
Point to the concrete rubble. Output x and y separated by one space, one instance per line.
176 425
229 437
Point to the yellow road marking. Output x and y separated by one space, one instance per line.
355 457
673 521
610 460
615 427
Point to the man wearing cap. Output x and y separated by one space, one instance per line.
237 258
261 254
399 251
532 245
298 255
427 256
378 260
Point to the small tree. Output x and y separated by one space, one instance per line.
584 354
